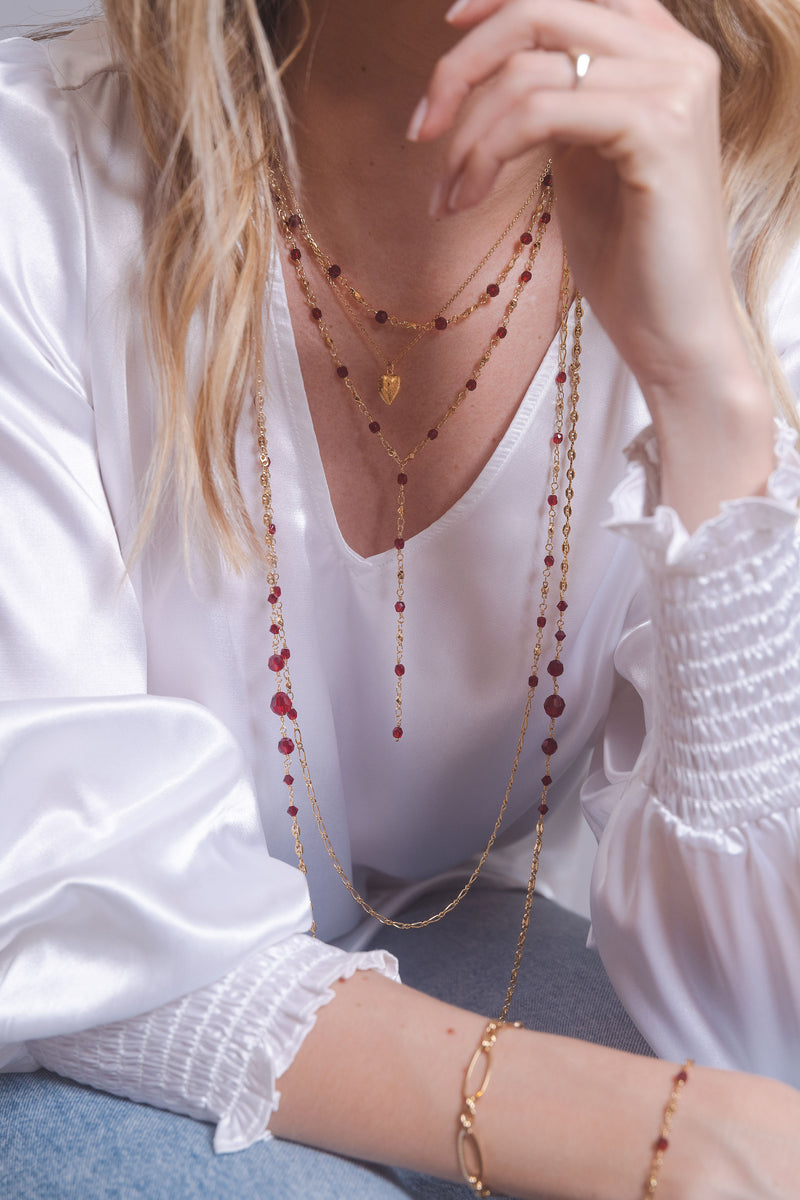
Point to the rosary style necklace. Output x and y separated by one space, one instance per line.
402 461
552 607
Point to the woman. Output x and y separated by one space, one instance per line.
409 592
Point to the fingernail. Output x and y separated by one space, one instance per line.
455 193
456 8
437 199
417 120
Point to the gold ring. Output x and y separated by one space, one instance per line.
581 61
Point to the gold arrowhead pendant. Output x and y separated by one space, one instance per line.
389 387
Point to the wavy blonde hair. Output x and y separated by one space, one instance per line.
205 77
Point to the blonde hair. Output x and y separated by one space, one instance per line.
206 87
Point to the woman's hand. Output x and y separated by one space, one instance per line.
635 145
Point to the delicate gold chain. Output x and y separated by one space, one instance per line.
679 1082
468 1149
283 702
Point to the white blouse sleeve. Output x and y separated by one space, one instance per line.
696 887
133 865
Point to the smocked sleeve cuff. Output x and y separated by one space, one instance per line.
217 1054
725 605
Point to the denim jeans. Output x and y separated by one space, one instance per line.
61 1141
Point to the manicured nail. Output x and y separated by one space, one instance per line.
437 200
456 8
455 194
418 119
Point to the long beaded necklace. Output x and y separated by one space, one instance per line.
389 381
282 704
400 460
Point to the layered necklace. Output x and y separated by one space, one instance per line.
291 222
552 606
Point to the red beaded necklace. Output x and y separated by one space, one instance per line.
290 743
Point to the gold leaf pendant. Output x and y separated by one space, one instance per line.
389 387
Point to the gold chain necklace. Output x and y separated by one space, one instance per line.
389 381
403 461
283 704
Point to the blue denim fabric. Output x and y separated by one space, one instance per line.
60 1141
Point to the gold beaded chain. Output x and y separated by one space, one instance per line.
283 703
403 461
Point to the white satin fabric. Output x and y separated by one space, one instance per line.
145 843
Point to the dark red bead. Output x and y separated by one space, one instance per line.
273 597
316 314
286 745
381 316
547 181
276 591
562 606
541 622
533 681
493 290
288 780
555 668
661 1145
549 746
544 219
432 435
546 780
552 501
280 705
399 543
294 254
502 332
342 371
374 427
549 561
561 377
402 479
286 653
272 528
397 733
525 277
275 662
294 221
400 606
526 238
471 385
560 635
274 628
681 1077
399 670
440 323
544 810
334 271
292 810
558 439
554 705
292 714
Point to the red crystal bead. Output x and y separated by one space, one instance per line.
560 635
400 606
275 662
399 543
552 501
288 780
493 290
342 371
286 746
546 780
381 316
681 1077
558 439
547 181
294 221
316 314
562 606
549 746
544 810
502 332
280 705
292 810
525 277
402 479
397 733
555 668
432 435
561 377
526 238
274 628
661 1145
374 427
286 653
276 591
541 622
292 714
544 219
273 597
294 254
440 323
549 561
272 528
533 681
554 705
334 271
399 670
471 385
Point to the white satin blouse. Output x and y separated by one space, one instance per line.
145 849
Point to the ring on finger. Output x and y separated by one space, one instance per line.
581 61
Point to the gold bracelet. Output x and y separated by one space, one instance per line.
470 1159
660 1147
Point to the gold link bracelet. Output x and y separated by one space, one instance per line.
470 1159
